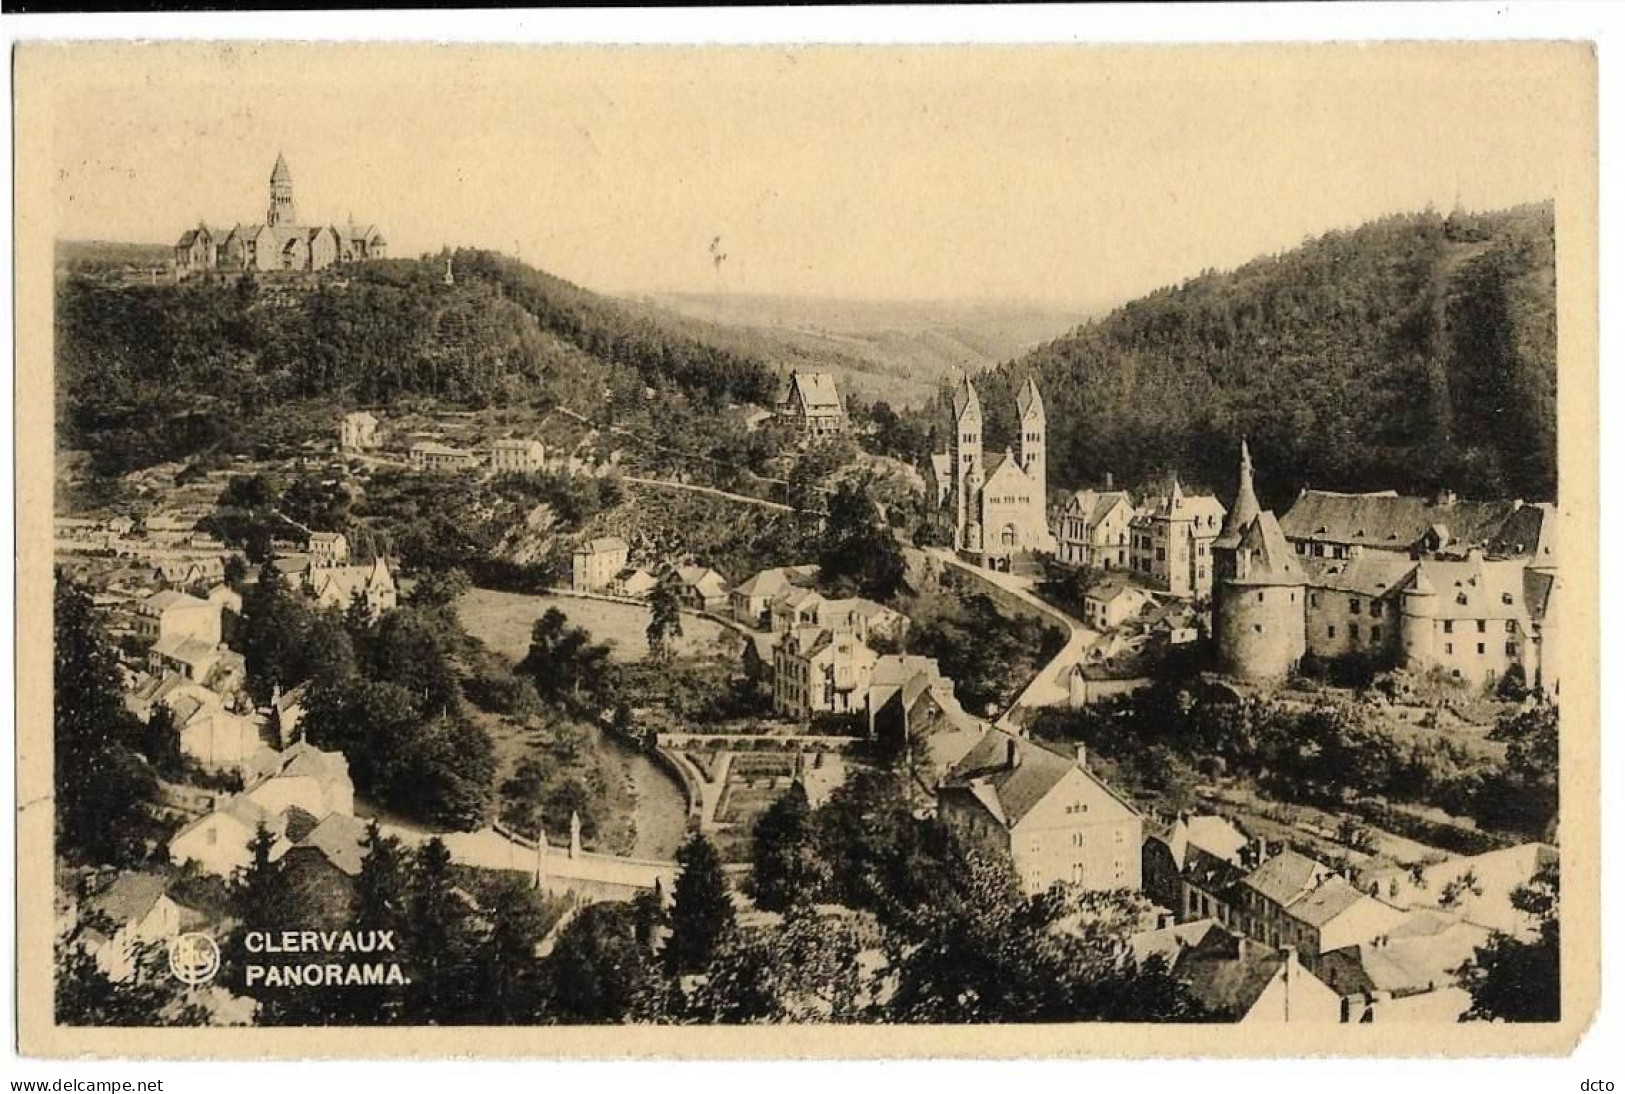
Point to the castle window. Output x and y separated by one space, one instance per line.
1481 625
1354 632
1292 598
1376 634
1449 626
1331 632
1376 609
1261 598
1512 649
1354 605
1512 626
1481 649
1450 647
1258 628
1314 600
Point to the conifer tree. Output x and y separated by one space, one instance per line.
702 910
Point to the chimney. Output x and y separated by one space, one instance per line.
1012 756
1261 850
1108 480
1083 756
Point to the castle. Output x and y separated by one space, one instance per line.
280 242
1472 614
997 508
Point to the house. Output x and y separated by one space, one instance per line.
358 431
910 700
816 671
517 456
171 614
813 405
433 456
328 549
1093 529
1167 942
320 869
188 572
1408 974
750 601
1293 900
339 839
294 569
1237 980
132 912
634 581
220 739
596 562
228 599
339 586
1047 814
1175 874
704 589
300 775
796 606
1170 543
1111 603
193 658
219 841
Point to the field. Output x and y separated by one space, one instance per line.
503 621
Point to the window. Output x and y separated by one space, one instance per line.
1331 632
1354 605
1512 626
1376 609
1449 626
1450 647
1354 632
1481 649
1261 598
1314 600
1512 649
1376 634
1481 626
1258 628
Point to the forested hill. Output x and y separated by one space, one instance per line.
147 372
1414 352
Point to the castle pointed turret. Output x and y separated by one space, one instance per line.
1245 510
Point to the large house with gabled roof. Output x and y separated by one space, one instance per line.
813 404
1047 814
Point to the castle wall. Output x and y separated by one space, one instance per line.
1339 623
1260 630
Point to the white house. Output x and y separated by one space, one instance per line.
131 912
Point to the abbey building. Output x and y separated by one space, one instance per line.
279 242
996 506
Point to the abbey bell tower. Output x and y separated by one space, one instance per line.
281 213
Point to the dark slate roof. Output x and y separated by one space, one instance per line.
817 389
1028 398
1324 904
1016 790
132 896
341 840
1284 877
1270 559
1387 520
965 396
279 170
1226 976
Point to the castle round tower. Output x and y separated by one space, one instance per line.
1258 591
1418 607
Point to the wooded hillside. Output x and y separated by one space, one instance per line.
1414 352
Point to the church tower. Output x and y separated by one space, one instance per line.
1030 410
281 213
967 475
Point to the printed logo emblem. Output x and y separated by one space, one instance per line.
194 958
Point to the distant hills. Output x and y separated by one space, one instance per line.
1415 352
896 351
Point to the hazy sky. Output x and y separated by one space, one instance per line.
1073 176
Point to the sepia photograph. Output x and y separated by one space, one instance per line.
952 550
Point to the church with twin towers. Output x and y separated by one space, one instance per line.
996 505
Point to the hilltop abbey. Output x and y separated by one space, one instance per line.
280 242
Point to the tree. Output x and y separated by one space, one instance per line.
562 658
439 588
809 968
1515 979
151 996
786 867
665 614
597 971
508 953
258 892
440 939
236 569
702 909
104 791
858 548
274 630
161 741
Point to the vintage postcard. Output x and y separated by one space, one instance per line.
806 551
